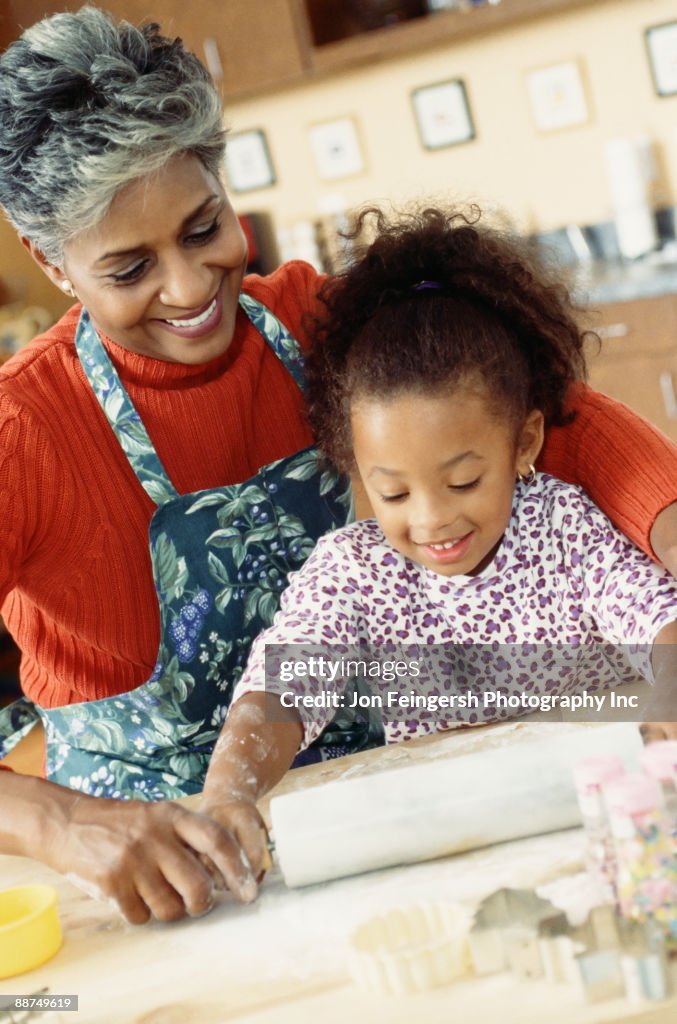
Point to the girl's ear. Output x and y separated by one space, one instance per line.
529 441
55 274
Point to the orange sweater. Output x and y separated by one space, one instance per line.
76 588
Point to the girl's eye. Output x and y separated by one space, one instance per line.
465 487
204 234
131 275
393 497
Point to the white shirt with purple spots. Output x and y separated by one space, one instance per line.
567 604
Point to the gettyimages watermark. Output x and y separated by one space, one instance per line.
458 684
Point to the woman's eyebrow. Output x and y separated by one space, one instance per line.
117 253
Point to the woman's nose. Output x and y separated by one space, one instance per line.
186 284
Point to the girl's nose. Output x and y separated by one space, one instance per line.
431 516
186 284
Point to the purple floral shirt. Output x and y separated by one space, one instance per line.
567 604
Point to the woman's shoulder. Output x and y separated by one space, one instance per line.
290 292
49 346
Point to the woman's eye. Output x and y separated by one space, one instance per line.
203 234
393 497
131 275
465 487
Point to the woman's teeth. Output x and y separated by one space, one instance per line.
197 320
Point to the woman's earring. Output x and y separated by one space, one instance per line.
530 476
67 287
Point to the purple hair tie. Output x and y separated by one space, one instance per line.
423 285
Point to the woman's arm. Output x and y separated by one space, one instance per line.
627 466
149 858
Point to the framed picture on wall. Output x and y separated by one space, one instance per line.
557 97
336 148
442 114
661 42
248 162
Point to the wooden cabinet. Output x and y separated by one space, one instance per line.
339 42
260 45
637 362
266 44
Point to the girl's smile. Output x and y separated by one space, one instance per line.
161 272
440 471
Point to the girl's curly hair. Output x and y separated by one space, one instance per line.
493 313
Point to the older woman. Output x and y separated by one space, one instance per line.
155 480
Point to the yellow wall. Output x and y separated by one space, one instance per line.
543 180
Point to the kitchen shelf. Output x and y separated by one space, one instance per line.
437 29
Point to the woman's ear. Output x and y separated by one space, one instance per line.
55 274
529 441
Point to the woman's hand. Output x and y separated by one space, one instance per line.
660 714
149 858
653 731
663 537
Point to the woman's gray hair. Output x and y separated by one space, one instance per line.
87 106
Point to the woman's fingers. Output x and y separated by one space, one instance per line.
178 885
153 859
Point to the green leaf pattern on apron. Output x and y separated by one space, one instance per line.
220 561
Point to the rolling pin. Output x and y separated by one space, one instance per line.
445 806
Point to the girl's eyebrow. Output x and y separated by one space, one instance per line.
184 224
470 454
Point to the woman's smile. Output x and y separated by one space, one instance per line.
200 323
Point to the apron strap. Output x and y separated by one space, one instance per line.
16 720
121 414
281 341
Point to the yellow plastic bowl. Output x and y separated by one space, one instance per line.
30 930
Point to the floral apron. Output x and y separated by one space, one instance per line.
220 560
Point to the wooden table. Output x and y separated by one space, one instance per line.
283 958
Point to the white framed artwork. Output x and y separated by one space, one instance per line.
336 148
661 41
248 162
442 114
557 97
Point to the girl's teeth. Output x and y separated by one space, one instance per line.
196 321
443 547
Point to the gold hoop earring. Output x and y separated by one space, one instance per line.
529 477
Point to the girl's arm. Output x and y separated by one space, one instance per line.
260 737
256 747
661 714
627 466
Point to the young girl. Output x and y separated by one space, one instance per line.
444 356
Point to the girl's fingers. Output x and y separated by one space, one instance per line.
205 836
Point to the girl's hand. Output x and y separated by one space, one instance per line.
240 817
148 858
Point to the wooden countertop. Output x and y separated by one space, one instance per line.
283 958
